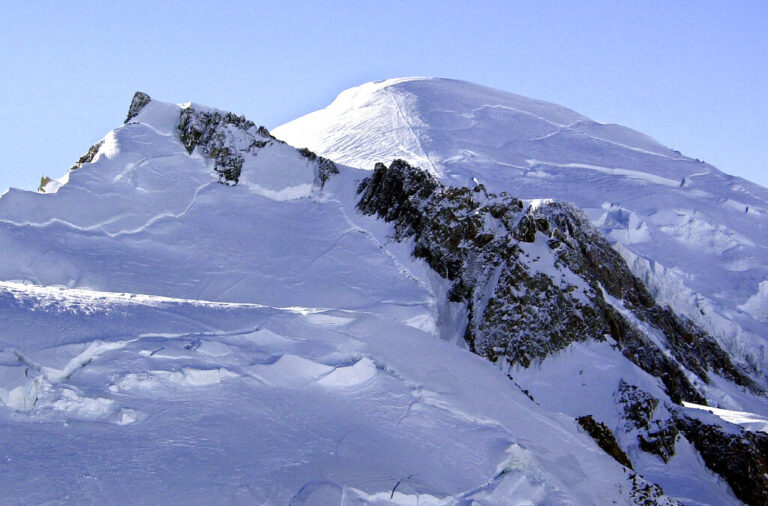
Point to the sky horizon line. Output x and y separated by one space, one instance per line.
691 75
413 77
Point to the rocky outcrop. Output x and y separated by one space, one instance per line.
44 180
88 157
638 406
536 278
226 139
217 135
140 99
582 249
739 456
653 428
325 167
643 492
604 439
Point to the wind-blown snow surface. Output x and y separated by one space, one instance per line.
166 338
696 236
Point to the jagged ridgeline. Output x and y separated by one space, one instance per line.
537 278
738 455
227 138
536 289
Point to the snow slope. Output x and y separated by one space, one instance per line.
539 284
121 398
696 236
166 338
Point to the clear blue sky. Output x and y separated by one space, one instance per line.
693 75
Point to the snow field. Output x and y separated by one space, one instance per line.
279 399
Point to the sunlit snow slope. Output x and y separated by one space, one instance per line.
165 338
696 236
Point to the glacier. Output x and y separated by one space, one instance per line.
696 236
169 338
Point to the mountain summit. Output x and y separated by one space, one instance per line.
444 125
697 237
199 312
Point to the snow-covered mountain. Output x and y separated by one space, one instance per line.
696 236
198 312
166 337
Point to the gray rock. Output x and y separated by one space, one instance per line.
140 100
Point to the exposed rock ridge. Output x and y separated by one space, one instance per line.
604 438
325 167
140 99
537 278
214 133
738 455
582 248
88 157
226 138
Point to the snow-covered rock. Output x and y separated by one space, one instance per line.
168 337
695 235
539 279
199 312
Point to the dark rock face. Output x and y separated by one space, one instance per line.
536 279
137 104
212 132
638 405
581 248
655 434
226 138
694 349
604 439
739 456
325 167
661 441
88 157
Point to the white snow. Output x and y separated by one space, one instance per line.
697 236
749 421
582 380
166 338
757 304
